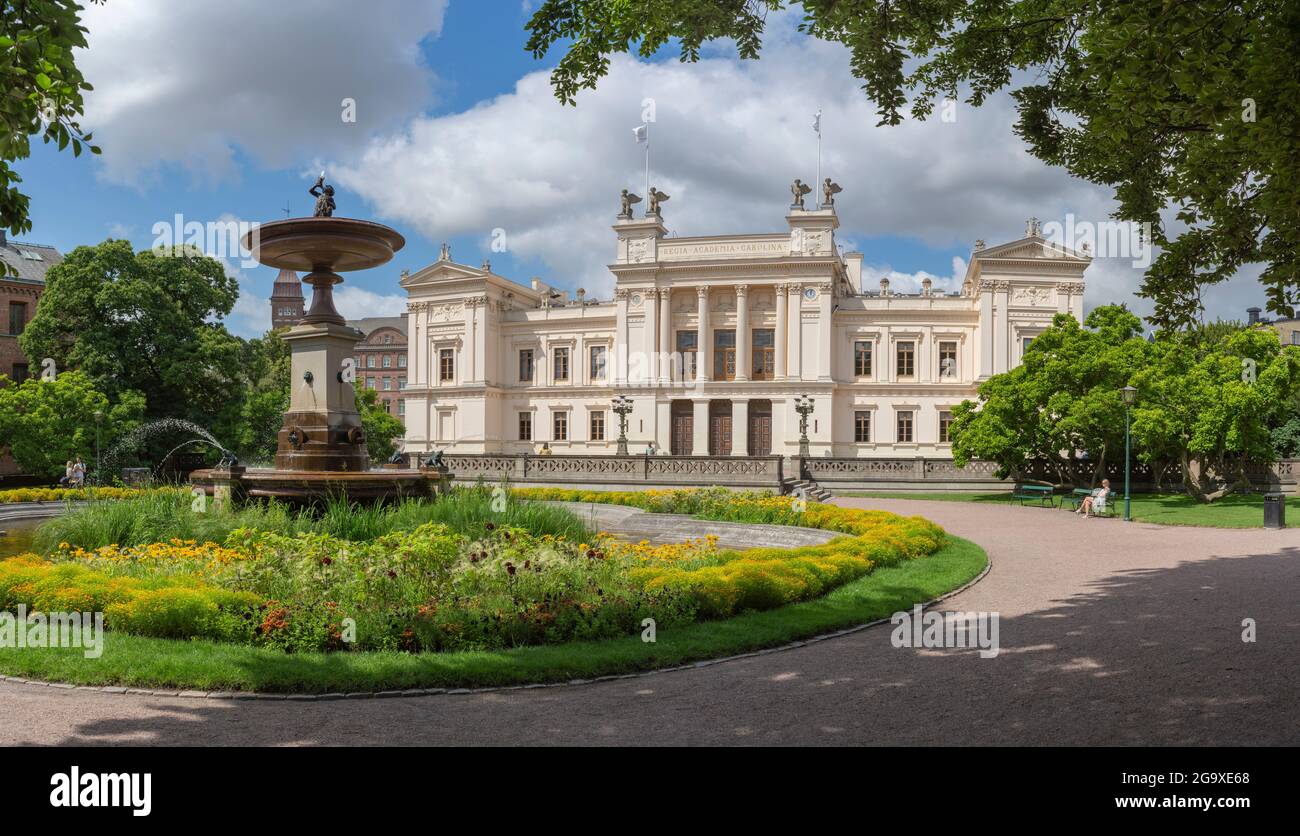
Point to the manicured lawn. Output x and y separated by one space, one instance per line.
1232 511
203 665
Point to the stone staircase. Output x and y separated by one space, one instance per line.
808 488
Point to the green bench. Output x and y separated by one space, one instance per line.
1041 493
1078 495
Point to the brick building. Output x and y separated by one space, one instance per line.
18 297
381 360
286 300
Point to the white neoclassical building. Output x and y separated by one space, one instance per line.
713 339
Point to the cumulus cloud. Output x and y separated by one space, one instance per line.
198 87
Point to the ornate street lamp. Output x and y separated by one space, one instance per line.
804 406
1129 394
622 408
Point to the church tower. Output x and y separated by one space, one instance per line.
286 300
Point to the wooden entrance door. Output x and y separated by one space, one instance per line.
683 429
760 428
720 428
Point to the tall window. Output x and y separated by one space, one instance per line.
371 382
20 373
401 383
560 363
687 348
597 426
905 421
945 427
598 358
1024 344
862 358
764 354
388 361
560 422
401 361
17 317
446 365
370 361
401 406
947 360
862 426
906 359
388 384
724 354
525 365
525 426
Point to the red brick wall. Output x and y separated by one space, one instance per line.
10 354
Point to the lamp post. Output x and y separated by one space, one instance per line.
622 408
1129 394
99 422
804 406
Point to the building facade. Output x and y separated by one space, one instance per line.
286 300
714 339
381 360
19 295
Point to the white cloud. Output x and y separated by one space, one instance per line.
357 302
198 86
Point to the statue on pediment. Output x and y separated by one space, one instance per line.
627 200
829 190
799 188
656 197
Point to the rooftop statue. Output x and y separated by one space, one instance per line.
799 188
829 190
656 197
627 199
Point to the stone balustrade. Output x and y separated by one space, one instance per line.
603 471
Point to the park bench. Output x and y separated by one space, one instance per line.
1078 495
1041 493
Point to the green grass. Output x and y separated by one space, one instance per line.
159 517
200 665
1232 511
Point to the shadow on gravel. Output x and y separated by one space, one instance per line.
1152 657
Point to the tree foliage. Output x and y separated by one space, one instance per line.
42 92
379 426
1208 402
1189 107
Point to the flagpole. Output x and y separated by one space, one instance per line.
647 161
817 184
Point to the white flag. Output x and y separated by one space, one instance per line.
642 133
817 122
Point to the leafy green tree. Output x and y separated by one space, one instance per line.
1062 405
379 426
145 322
43 90
267 367
1194 106
46 423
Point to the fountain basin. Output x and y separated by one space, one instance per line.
323 244
303 487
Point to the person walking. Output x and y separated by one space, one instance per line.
78 473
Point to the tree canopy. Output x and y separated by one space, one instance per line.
1210 402
1192 108
42 93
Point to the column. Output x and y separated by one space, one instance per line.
986 330
739 427
664 425
666 346
651 336
782 324
470 343
742 335
1002 332
621 339
796 332
704 354
826 333
700 428
1062 298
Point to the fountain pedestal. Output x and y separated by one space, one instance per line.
322 429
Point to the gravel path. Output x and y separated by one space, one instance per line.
1110 633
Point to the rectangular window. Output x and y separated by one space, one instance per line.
446 365
764 365
401 383
560 422
388 361
945 427
598 362
401 361
371 383
598 426
1024 344
17 317
560 364
862 358
388 384
947 360
370 361
687 347
906 360
525 365
862 427
724 354
525 426
401 406
905 427
20 373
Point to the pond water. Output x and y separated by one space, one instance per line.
18 537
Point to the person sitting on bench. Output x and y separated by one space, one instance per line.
1096 502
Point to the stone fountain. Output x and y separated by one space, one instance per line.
321 449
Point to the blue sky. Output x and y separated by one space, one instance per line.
458 136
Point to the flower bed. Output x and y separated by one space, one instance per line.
434 589
61 494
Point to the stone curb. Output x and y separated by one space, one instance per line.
424 692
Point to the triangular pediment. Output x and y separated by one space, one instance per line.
1034 247
442 271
